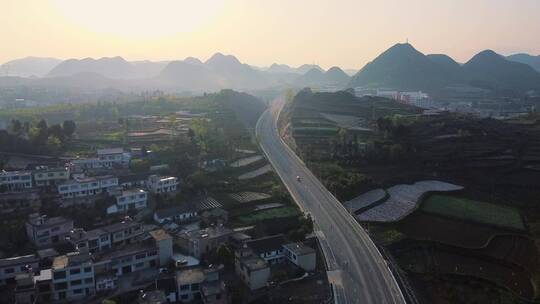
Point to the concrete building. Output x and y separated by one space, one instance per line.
129 200
180 213
128 258
108 237
44 176
269 248
86 186
164 242
73 277
114 156
214 292
33 288
43 231
162 184
252 269
84 164
14 181
189 284
200 242
11 267
301 255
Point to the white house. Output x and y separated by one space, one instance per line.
114 156
128 200
301 255
16 180
162 184
180 213
73 276
252 270
11 267
107 237
44 176
269 248
86 186
43 231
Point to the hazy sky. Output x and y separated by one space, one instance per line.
347 33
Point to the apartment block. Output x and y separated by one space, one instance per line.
162 184
11 267
73 276
129 200
44 176
86 186
13 181
43 231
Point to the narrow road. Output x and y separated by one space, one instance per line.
356 268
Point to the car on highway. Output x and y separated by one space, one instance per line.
298 178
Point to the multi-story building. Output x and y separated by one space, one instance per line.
269 248
301 255
191 283
83 164
200 242
15 180
86 186
129 200
44 176
252 269
162 184
11 267
43 231
101 239
128 258
114 156
165 246
137 256
73 276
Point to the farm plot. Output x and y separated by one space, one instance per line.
403 199
516 279
365 201
247 197
246 161
344 121
474 211
268 214
256 173
448 231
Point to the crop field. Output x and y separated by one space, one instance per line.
513 278
267 214
426 227
474 211
256 173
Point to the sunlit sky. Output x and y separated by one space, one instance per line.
347 33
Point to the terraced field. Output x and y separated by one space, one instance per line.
474 211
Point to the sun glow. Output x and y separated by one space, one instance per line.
138 18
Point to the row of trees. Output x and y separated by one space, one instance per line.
29 138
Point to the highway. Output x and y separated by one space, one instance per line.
356 268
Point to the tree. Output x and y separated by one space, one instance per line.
54 144
57 131
69 128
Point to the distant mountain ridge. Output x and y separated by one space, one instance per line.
533 61
334 77
28 66
403 67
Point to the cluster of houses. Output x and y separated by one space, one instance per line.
73 184
170 256
100 262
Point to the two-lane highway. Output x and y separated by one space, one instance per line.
356 267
